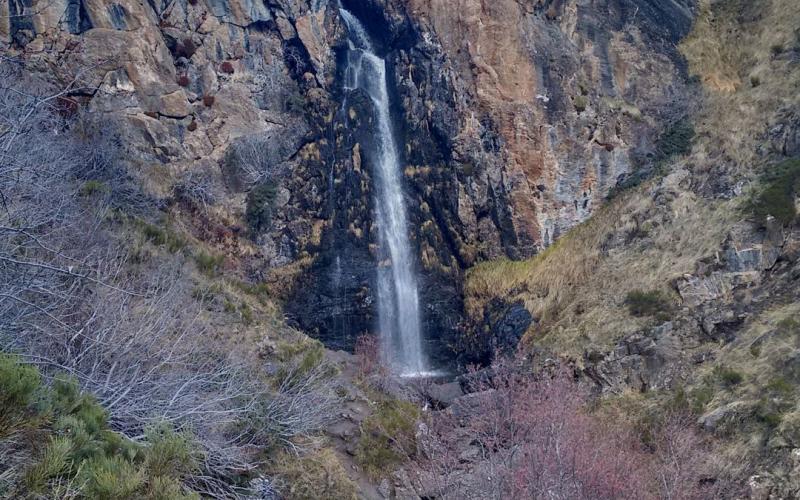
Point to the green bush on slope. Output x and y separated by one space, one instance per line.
259 206
387 437
651 303
776 196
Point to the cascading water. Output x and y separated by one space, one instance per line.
398 297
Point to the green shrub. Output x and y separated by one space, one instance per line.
169 453
700 397
67 399
776 196
728 377
295 103
246 313
768 413
159 236
387 437
167 488
780 386
18 386
652 303
208 264
54 461
111 478
675 141
92 187
261 291
789 326
259 206
81 450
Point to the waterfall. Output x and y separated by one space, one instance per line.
398 297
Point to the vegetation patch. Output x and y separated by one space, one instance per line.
72 451
651 303
161 236
676 141
727 376
317 475
777 193
259 209
387 437
209 264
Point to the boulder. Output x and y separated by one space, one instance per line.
713 419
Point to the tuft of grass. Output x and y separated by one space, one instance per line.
580 102
111 478
699 397
169 453
789 326
727 376
208 264
93 187
18 386
651 303
780 386
55 461
387 437
161 236
317 475
80 448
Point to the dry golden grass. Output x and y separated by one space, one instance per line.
733 48
576 288
760 363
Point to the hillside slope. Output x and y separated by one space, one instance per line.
688 283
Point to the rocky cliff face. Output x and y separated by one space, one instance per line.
516 119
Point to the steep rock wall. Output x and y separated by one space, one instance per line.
516 119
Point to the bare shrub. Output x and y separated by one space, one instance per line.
71 301
251 161
523 436
368 355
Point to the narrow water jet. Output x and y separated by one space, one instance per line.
399 318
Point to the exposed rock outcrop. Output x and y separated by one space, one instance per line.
515 120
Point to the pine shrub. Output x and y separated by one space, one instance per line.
259 206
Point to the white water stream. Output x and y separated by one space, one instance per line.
398 296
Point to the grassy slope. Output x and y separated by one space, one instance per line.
658 231
646 237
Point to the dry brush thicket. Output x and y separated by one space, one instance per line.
75 301
524 436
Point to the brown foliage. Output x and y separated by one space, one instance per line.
368 354
208 100
226 67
